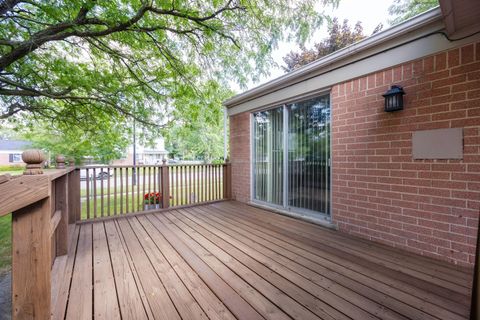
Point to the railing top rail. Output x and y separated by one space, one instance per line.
150 165
57 173
20 191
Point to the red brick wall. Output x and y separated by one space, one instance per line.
427 206
430 207
240 156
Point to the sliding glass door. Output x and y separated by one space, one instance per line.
309 154
291 156
268 156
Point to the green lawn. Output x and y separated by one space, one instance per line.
5 242
183 198
6 230
6 221
11 172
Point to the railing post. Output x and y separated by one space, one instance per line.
74 209
61 204
475 302
31 261
34 159
60 161
227 180
31 252
165 185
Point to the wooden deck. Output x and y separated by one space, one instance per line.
231 261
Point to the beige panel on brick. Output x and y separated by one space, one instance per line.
380 192
438 144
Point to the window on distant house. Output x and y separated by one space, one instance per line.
15 157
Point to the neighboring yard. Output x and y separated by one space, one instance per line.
10 170
5 243
180 194
183 196
6 229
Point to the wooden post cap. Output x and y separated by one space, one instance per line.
34 159
60 160
71 162
164 161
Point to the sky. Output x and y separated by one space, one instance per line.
369 12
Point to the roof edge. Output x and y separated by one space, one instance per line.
295 76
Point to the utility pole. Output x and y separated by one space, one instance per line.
134 171
225 133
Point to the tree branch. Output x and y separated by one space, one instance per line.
67 29
8 5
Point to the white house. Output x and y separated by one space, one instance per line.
11 152
145 154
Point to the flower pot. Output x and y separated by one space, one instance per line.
152 206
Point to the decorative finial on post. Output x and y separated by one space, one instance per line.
60 160
71 162
34 159
164 161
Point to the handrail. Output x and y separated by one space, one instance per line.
20 192
108 191
43 203
147 165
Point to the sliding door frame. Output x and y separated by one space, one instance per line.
285 207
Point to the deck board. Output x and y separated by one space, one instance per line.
342 298
128 295
381 255
357 262
429 292
205 297
105 303
232 261
80 298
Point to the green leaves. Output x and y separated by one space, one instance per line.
402 10
201 136
83 65
103 143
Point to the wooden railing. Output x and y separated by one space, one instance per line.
44 206
119 190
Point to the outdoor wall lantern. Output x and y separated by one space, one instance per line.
394 99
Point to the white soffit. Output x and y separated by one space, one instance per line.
408 41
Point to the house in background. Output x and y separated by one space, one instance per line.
146 155
317 143
11 152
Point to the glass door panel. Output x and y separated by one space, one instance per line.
309 155
291 156
268 156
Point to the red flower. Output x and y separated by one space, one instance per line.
153 198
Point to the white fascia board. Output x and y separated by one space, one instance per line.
429 45
380 43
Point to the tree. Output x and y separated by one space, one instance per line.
404 9
75 63
203 138
79 144
339 37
